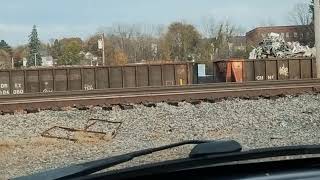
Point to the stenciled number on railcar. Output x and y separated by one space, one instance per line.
18 89
88 87
4 92
4 89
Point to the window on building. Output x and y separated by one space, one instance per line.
287 34
301 35
307 34
295 34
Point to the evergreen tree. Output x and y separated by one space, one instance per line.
34 48
4 46
55 49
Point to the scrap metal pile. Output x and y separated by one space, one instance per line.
274 46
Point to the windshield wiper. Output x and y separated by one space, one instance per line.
203 154
79 170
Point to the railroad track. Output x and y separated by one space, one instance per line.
157 94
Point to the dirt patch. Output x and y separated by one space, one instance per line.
4 148
9 143
87 137
28 141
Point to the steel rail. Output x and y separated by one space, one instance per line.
153 89
163 94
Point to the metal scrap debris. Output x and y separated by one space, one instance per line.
95 121
274 46
85 134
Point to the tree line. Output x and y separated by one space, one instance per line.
134 43
126 43
140 43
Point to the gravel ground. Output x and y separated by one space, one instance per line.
254 123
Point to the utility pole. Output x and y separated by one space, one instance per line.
103 53
12 63
101 46
35 59
317 34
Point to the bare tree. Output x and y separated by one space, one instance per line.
221 44
181 41
209 27
135 41
218 37
300 14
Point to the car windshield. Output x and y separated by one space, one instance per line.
83 80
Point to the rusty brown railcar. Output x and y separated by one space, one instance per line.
47 80
64 79
258 70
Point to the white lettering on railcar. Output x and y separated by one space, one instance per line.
18 91
17 85
4 89
47 90
4 92
3 86
260 78
88 87
271 77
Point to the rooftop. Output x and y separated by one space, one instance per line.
276 27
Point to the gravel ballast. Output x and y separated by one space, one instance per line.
253 123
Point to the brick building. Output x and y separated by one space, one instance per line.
301 33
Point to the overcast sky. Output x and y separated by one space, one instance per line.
66 18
